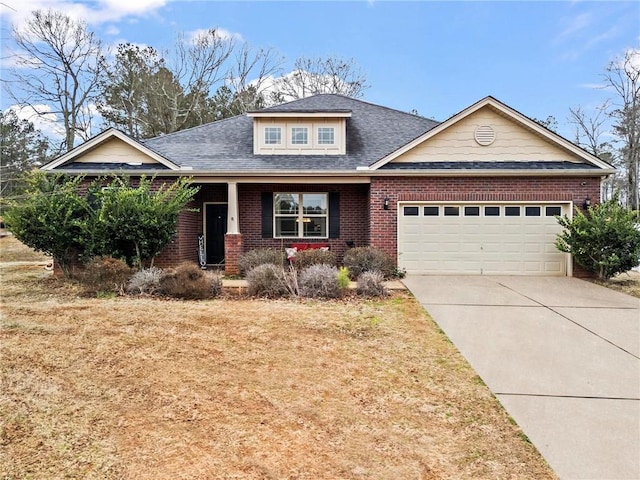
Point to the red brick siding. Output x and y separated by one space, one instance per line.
190 224
481 189
354 215
232 251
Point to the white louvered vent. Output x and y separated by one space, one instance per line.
485 135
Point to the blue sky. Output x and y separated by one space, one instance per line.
435 57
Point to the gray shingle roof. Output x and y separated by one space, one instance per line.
373 132
501 165
110 166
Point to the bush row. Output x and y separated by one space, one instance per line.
357 260
313 274
315 281
186 281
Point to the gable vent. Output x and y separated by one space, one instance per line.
485 135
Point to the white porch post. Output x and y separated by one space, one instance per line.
232 208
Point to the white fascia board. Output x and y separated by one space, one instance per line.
101 138
587 172
299 114
508 112
223 178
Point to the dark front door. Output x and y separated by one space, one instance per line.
216 227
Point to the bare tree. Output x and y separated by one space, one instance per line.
57 71
149 94
589 132
623 77
248 76
197 66
590 129
314 76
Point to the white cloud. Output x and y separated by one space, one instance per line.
112 30
95 13
574 25
50 123
220 33
594 86
633 54
41 117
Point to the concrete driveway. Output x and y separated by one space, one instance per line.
561 354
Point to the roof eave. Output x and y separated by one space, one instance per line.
586 172
102 137
320 114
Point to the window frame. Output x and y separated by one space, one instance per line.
265 138
301 215
319 140
292 137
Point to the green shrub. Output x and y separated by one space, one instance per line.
313 256
343 278
319 281
371 284
606 241
187 281
105 274
267 280
145 282
260 256
365 259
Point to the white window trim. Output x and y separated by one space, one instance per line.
303 129
300 146
317 136
301 215
264 135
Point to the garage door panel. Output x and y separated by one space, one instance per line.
533 248
553 267
480 245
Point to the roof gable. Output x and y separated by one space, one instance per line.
517 138
111 147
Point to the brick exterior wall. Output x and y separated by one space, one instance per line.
232 251
384 226
354 215
184 247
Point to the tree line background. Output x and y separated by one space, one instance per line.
63 70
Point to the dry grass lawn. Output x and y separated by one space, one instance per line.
628 283
239 389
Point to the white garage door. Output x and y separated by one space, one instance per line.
480 239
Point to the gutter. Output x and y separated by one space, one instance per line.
360 173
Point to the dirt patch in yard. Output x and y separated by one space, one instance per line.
246 389
628 283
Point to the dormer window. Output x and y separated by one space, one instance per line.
299 136
272 136
326 136
300 133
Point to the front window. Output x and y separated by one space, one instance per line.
326 136
272 136
299 136
300 215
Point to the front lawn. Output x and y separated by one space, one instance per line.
240 389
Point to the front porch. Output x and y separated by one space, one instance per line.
235 217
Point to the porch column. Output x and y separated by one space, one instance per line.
233 237
232 208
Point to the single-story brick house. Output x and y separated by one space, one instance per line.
475 194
